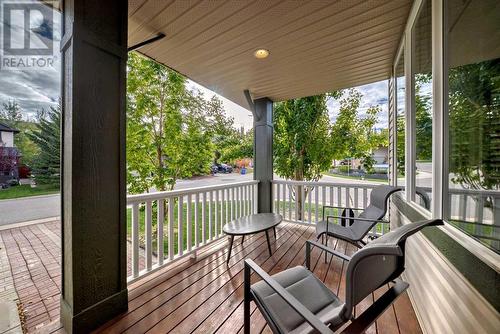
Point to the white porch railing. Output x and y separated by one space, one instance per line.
317 195
168 225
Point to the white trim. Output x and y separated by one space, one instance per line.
409 119
438 108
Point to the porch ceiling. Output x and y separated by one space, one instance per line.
315 46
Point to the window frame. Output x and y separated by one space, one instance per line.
440 133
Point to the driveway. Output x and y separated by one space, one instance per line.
29 208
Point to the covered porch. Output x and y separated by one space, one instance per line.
180 285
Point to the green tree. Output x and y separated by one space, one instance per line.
46 135
423 119
474 117
302 142
167 135
353 134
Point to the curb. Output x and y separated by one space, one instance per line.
30 222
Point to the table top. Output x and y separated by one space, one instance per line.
252 224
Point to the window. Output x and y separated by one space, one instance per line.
422 86
473 58
400 121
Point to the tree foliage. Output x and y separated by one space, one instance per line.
474 100
47 137
306 140
167 134
302 138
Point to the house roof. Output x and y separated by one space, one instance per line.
5 128
315 46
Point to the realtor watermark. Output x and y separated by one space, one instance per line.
27 35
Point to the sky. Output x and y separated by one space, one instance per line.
34 89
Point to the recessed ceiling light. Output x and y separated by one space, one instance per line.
261 53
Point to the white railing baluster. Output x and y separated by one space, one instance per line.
356 204
160 220
316 199
303 204
339 198
196 220
189 226
148 230
284 199
289 188
463 207
365 198
255 198
204 218
309 203
135 240
277 202
249 208
331 196
180 229
323 194
232 203
210 218
347 197
223 208
185 222
170 236
216 213
478 229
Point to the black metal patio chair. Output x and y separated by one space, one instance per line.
354 228
296 301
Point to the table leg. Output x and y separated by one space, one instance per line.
242 239
230 247
274 230
268 243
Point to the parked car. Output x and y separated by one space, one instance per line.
225 168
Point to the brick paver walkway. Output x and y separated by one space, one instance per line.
30 271
34 256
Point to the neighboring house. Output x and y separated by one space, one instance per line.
381 155
9 155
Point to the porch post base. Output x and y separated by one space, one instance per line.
94 316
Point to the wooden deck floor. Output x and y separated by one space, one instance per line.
205 295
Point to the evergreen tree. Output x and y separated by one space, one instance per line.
46 166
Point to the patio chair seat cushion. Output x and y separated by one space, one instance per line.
335 230
309 291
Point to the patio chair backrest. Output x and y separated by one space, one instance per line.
379 262
376 210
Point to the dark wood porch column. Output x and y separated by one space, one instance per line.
263 152
94 51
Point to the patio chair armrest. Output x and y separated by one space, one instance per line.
289 299
338 207
323 247
371 314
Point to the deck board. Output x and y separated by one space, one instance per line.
204 295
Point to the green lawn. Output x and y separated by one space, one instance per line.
142 214
26 190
